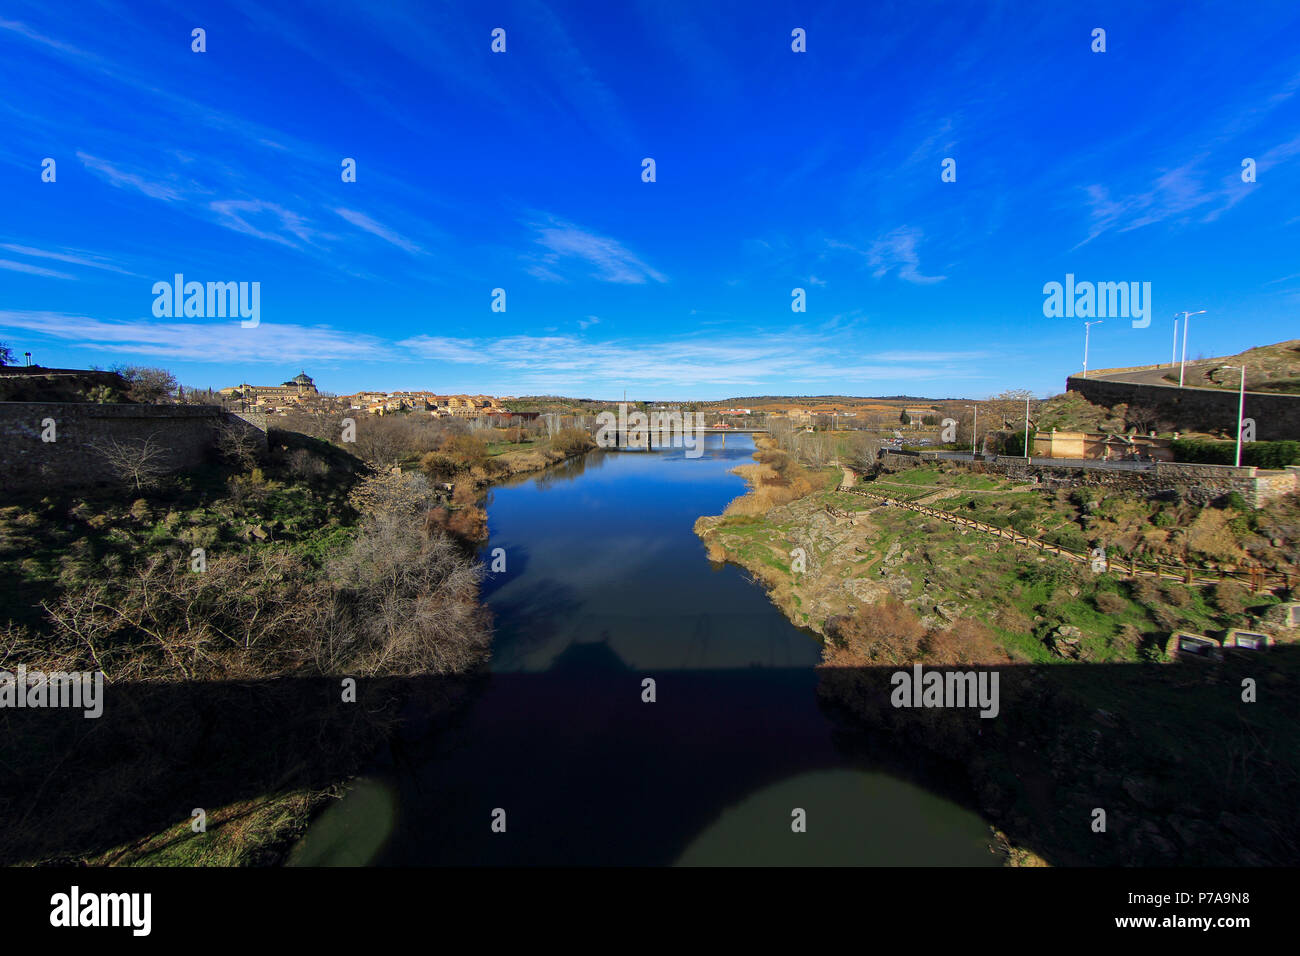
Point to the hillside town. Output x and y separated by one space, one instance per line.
301 392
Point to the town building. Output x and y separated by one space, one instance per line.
292 392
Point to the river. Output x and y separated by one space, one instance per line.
607 585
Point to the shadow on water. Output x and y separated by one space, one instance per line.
606 586
587 772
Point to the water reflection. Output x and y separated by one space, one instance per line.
607 586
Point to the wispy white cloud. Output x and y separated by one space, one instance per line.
1184 191
235 214
128 180
77 258
362 221
611 260
572 363
216 340
30 269
894 252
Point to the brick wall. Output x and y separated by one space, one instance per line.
186 432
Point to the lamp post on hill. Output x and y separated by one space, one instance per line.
1026 428
1087 328
1186 316
974 430
1241 405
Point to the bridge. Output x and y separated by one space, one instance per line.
649 438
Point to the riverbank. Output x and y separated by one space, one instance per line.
1092 715
256 646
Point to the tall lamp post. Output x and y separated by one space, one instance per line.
974 430
1173 351
1026 428
1186 316
1241 406
1087 328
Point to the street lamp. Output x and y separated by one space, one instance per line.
1026 428
1087 329
1186 316
1241 405
974 429
1173 351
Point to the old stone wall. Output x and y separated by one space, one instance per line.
79 431
1200 483
1277 417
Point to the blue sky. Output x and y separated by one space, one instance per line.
522 170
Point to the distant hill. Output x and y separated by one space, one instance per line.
849 400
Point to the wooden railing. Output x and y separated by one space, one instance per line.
1257 579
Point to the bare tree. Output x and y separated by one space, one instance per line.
382 442
411 600
406 495
237 444
147 385
1144 419
138 463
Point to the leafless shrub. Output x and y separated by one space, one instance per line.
411 600
405 495
138 463
301 463
238 444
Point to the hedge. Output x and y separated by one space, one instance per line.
1264 454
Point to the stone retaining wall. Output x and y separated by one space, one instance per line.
30 460
1199 483
1211 410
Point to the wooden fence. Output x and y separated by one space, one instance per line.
1257 579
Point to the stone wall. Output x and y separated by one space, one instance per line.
1199 483
27 462
1277 417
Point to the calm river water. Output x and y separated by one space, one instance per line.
606 585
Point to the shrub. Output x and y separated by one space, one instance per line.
1229 597
405 495
965 642
1108 602
439 466
571 441
466 450
301 463
885 633
1145 591
1264 454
